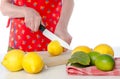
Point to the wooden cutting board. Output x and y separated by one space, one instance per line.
55 60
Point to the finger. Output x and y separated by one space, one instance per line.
42 23
32 26
64 50
37 24
28 24
69 40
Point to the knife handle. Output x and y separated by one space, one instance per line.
41 28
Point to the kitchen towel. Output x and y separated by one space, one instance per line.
92 70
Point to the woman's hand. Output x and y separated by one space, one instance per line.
61 28
63 34
32 18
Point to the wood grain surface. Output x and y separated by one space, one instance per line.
55 60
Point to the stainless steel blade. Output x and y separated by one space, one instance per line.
52 36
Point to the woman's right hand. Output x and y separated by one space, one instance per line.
32 18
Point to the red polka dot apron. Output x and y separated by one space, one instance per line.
22 37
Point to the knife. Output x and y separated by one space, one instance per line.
52 36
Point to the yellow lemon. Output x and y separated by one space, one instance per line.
54 48
85 49
13 60
32 63
104 49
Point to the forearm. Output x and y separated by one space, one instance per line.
67 8
13 11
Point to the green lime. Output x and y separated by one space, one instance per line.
105 62
93 55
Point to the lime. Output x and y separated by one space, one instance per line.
93 55
105 62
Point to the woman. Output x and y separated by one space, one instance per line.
26 16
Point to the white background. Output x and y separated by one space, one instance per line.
92 22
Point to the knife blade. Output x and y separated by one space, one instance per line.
52 36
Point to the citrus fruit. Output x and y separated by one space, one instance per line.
13 60
54 48
85 49
93 55
32 63
104 49
105 62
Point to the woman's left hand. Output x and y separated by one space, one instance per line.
63 34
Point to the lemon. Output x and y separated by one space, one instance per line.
105 62
85 49
54 48
93 55
104 49
13 60
32 63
